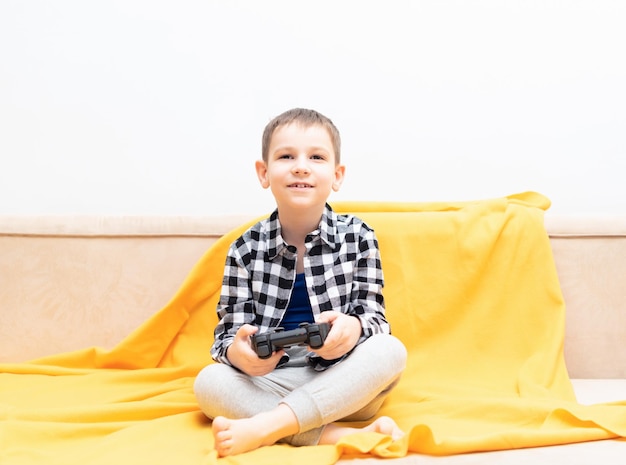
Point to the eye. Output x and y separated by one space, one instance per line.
285 156
317 157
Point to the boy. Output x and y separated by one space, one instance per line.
304 263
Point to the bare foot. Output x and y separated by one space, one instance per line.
384 425
235 436
242 435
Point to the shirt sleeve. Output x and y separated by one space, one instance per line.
366 297
236 305
367 301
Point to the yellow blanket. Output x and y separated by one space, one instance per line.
471 289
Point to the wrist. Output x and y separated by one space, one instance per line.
358 325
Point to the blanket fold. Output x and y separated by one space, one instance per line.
471 290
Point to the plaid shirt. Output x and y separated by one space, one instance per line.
342 272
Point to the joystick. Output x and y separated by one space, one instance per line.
311 334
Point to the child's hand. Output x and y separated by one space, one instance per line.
241 354
344 333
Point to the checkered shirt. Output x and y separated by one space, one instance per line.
342 272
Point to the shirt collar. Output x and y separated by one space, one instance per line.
327 231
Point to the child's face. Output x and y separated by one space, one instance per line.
300 169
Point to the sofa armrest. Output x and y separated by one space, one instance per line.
590 257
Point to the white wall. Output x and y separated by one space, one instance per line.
155 107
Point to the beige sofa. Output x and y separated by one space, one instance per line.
71 282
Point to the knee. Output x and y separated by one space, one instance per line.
209 386
398 353
390 352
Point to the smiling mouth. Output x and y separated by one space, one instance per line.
300 186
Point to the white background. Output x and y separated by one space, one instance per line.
157 107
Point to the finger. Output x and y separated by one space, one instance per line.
246 331
265 366
336 331
331 340
327 317
276 356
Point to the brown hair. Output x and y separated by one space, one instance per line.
306 118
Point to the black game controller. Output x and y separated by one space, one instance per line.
311 334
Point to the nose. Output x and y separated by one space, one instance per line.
301 166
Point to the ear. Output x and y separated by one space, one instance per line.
261 172
340 172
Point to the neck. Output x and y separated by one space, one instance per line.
296 224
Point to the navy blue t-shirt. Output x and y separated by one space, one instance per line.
299 308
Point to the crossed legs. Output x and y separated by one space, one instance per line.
298 405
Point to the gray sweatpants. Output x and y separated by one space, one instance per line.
352 390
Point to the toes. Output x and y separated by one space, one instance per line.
221 423
223 451
224 435
388 426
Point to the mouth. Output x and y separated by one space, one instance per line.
300 185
